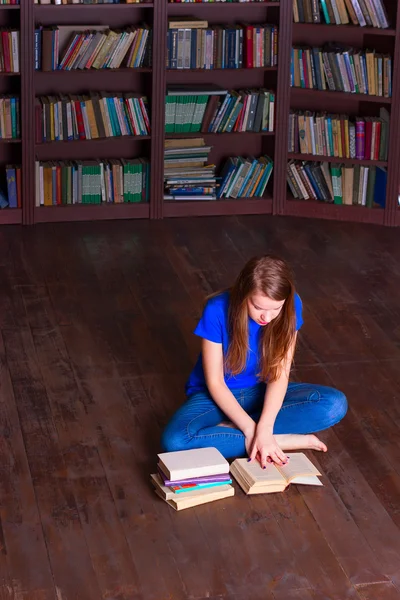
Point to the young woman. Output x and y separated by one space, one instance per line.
249 336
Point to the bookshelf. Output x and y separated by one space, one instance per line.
152 82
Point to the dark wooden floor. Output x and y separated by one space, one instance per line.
95 347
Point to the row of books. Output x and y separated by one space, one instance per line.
92 116
322 134
60 2
68 47
9 51
10 127
214 110
10 187
365 13
342 69
194 45
9 1
337 183
92 182
243 177
189 478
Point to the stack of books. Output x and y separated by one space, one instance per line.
253 479
189 478
187 174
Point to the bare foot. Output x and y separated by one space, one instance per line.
299 442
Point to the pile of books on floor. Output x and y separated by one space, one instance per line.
189 478
187 172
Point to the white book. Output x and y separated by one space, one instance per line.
193 463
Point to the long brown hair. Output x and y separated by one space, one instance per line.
272 277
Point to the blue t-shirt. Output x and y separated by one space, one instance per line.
213 326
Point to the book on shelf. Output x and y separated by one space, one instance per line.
92 182
82 47
91 116
189 478
188 176
253 479
216 110
10 117
341 68
341 184
195 45
322 134
9 51
10 2
10 187
364 13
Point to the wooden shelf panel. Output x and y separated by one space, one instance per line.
4 74
116 139
44 8
337 212
9 7
310 28
91 212
65 73
121 147
7 141
221 70
340 95
217 135
336 159
10 216
184 6
198 208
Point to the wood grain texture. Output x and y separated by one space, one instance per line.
96 343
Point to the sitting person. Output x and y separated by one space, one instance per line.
249 336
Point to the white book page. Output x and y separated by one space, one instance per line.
298 466
311 480
254 473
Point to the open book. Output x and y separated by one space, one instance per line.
253 479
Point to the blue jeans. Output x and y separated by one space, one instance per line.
307 408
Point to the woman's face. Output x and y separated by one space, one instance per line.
262 309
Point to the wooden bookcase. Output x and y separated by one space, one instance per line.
152 82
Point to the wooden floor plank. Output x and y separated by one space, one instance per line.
379 591
23 545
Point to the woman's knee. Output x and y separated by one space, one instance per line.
173 439
336 405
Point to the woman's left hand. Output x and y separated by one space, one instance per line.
266 449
